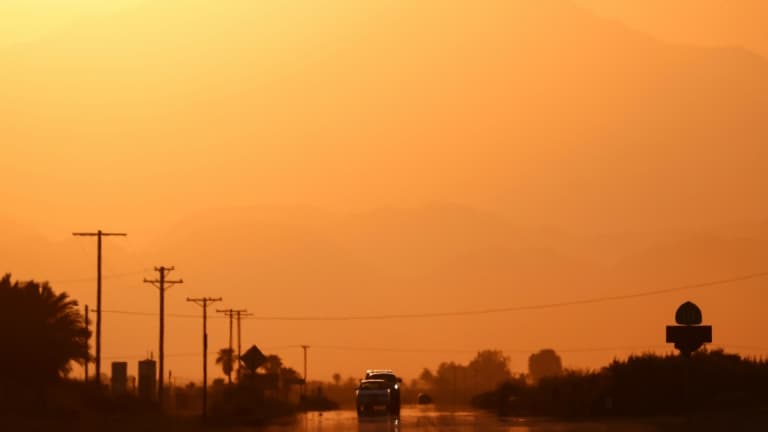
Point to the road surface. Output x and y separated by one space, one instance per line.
421 418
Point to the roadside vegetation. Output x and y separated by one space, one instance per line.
642 385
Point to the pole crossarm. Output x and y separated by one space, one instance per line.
203 301
168 283
98 233
232 312
163 283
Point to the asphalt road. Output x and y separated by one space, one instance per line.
418 418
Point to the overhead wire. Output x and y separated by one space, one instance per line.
521 351
531 307
93 279
513 308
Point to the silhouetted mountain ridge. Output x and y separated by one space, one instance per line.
537 109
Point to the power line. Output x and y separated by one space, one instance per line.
92 279
466 350
539 306
153 314
524 351
514 308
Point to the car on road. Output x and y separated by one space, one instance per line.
373 397
393 382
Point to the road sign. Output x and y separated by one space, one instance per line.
688 314
689 336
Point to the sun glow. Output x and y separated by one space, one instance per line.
25 20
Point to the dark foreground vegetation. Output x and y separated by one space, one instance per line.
73 406
43 334
646 385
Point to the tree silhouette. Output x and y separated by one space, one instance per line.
226 358
272 364
41 331
427 377
543 364
488 369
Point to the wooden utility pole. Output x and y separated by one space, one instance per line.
304 387
231 314
162 284
98 234
87 347
204 302
240 314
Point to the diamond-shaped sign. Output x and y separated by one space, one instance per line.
253 358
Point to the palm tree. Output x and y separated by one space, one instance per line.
41 333
226 358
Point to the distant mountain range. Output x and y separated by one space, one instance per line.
539 110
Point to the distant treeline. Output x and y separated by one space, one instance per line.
639 386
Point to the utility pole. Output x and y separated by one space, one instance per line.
240 314
304 387
98 234
162 284
204 302
231 313
87 348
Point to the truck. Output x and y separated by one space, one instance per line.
373 397
393 383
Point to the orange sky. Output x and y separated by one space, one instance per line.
392 157
737 23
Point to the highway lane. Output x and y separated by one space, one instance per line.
421 418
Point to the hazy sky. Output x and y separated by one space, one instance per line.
706 22
709 22
337 158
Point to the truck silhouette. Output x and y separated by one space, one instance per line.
379 393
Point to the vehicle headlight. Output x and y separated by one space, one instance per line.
397 386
